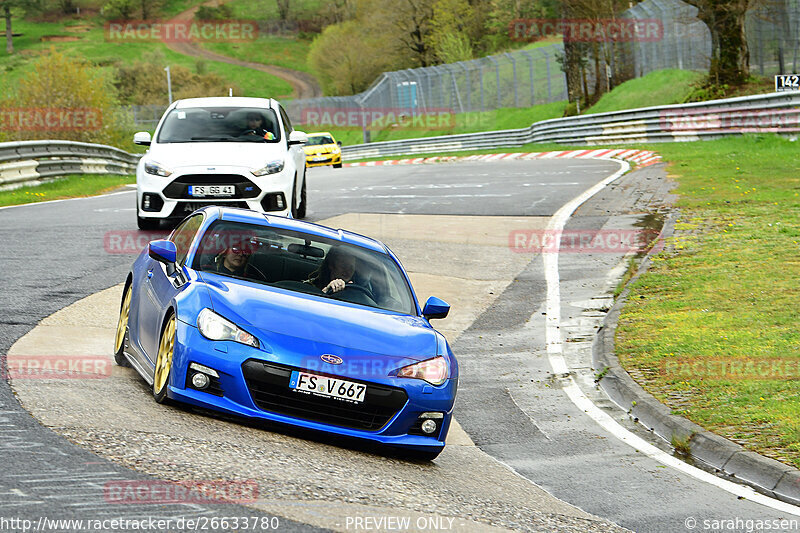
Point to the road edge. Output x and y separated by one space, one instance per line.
726 458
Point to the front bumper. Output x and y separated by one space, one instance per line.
321 160
160 197
243 394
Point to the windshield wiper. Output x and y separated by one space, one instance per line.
215 139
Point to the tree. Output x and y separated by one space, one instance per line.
452 30
346 58
729 54
80 100
283 9
7 16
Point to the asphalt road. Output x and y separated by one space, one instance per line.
508 403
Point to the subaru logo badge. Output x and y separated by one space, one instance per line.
331 359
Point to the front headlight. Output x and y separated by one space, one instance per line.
216 328
151 167
434 371
273 167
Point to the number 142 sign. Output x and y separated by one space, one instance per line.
787 82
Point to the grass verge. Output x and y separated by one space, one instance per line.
711 328
69 187
661 87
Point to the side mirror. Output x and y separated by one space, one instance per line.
142 137
298 137
435 308
339 143
163 251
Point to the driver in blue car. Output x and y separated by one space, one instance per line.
335 272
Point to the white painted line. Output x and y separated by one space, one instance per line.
575 394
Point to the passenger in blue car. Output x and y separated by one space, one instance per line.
335 272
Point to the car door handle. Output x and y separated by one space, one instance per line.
150 273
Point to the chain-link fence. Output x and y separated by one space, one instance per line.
533 76
685 41
521 78
773 36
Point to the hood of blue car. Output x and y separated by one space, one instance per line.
311 326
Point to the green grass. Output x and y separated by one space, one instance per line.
268 49
662 87
725 291
268 9
93 46
68 187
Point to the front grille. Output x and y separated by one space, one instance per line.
269 386
318 161
185 208
179 188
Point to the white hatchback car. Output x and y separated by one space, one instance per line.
235 152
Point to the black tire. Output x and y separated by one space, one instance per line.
121 337
301 209
338 165
293 206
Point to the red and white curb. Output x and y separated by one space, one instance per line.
642 158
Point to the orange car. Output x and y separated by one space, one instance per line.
321 149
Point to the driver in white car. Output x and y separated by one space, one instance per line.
255 126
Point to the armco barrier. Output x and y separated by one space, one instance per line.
768 113
30 161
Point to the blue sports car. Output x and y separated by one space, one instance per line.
272 318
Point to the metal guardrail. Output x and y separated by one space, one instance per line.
768 113
31 161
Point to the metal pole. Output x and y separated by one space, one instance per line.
530 71
469 85
549 81
514 68
169 85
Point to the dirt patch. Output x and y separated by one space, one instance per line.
59 38
78 29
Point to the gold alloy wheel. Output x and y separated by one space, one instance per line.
164 358
122 324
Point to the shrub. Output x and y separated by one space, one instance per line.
68 88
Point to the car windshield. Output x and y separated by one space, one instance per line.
219 124
314 140
304 263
